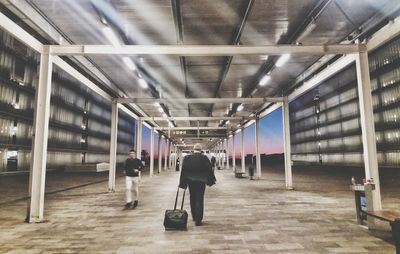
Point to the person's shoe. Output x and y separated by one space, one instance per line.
199 223
135 204
128 205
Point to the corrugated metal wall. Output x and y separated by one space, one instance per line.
325 126
79 119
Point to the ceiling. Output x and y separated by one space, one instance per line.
206 22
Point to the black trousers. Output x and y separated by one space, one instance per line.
196 190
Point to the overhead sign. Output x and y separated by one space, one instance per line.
198 133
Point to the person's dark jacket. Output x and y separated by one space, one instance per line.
133 166
213 161
196 167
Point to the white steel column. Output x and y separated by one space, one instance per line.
166 153
243 156
113 146
218 155
367 126
221 157
37 176
151 151
159 153
286 144
233 153
139 139
258 158
169 154
227 153
174 158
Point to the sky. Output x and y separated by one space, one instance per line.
271 137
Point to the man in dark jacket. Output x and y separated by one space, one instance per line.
213 161
196 173
133 166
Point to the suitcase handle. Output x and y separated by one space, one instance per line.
176 199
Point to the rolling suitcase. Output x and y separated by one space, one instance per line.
176 219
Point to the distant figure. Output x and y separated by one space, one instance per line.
196 173
177 164
213 161
133 166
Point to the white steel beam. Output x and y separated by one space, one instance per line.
39 140
368 126
385 34
258 157
19 33
113 147
191 128
200 100
286 144
325 74
242 153
81 78
197 118
152 152
202 50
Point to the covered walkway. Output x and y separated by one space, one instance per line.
241 216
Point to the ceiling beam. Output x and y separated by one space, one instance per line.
200 100
197 118
203 50
191 128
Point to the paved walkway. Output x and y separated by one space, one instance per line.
241 216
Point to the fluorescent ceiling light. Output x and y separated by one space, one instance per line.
282 60
111 36
240 107
264 80
129 63
143 83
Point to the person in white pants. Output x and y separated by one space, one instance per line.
133 167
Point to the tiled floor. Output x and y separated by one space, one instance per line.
241 216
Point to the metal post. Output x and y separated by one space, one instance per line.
151 151
169 154
286 144
243 156
367 126
159 153
258 158
227 153
113 146
217 154
233 153
166 153
174 158
37 176
221 157
139 139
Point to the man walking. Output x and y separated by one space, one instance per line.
196 173
133 166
